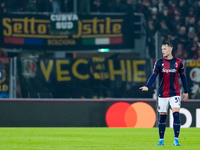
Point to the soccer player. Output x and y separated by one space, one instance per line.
168 69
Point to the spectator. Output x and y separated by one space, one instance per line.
191 12
163 28
67 5
117 6
182 35
172 7
151 28
191 27
21 5
43 6
160 6
195 48
143 8
183 7
196 7
191 45
190 2
180 52
11 5
31 6
83 6
3 7
55 6
130 8
154 3
198 28
97 6
176 24
151 38
195 52
198 52
3 53
164 15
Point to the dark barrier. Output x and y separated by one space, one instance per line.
98 113
52 114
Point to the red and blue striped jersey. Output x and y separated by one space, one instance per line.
168 71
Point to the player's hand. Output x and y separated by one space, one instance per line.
185 96
144 88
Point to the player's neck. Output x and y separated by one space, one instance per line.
169 57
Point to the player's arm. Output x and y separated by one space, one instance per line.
184 82
150 81
152 78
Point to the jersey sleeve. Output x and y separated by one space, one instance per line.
181 69
183 78
156 68
184 82
151 80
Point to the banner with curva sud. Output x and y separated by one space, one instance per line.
66 31
83 78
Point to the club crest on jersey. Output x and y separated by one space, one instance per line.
176 65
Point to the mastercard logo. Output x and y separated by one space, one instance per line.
136 115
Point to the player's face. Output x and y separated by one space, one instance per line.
166 50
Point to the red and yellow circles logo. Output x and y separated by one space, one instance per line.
137 115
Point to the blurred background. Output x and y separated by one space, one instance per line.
93 49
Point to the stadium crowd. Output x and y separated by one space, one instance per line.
177 20
55 6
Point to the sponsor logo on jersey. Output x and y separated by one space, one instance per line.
168 70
